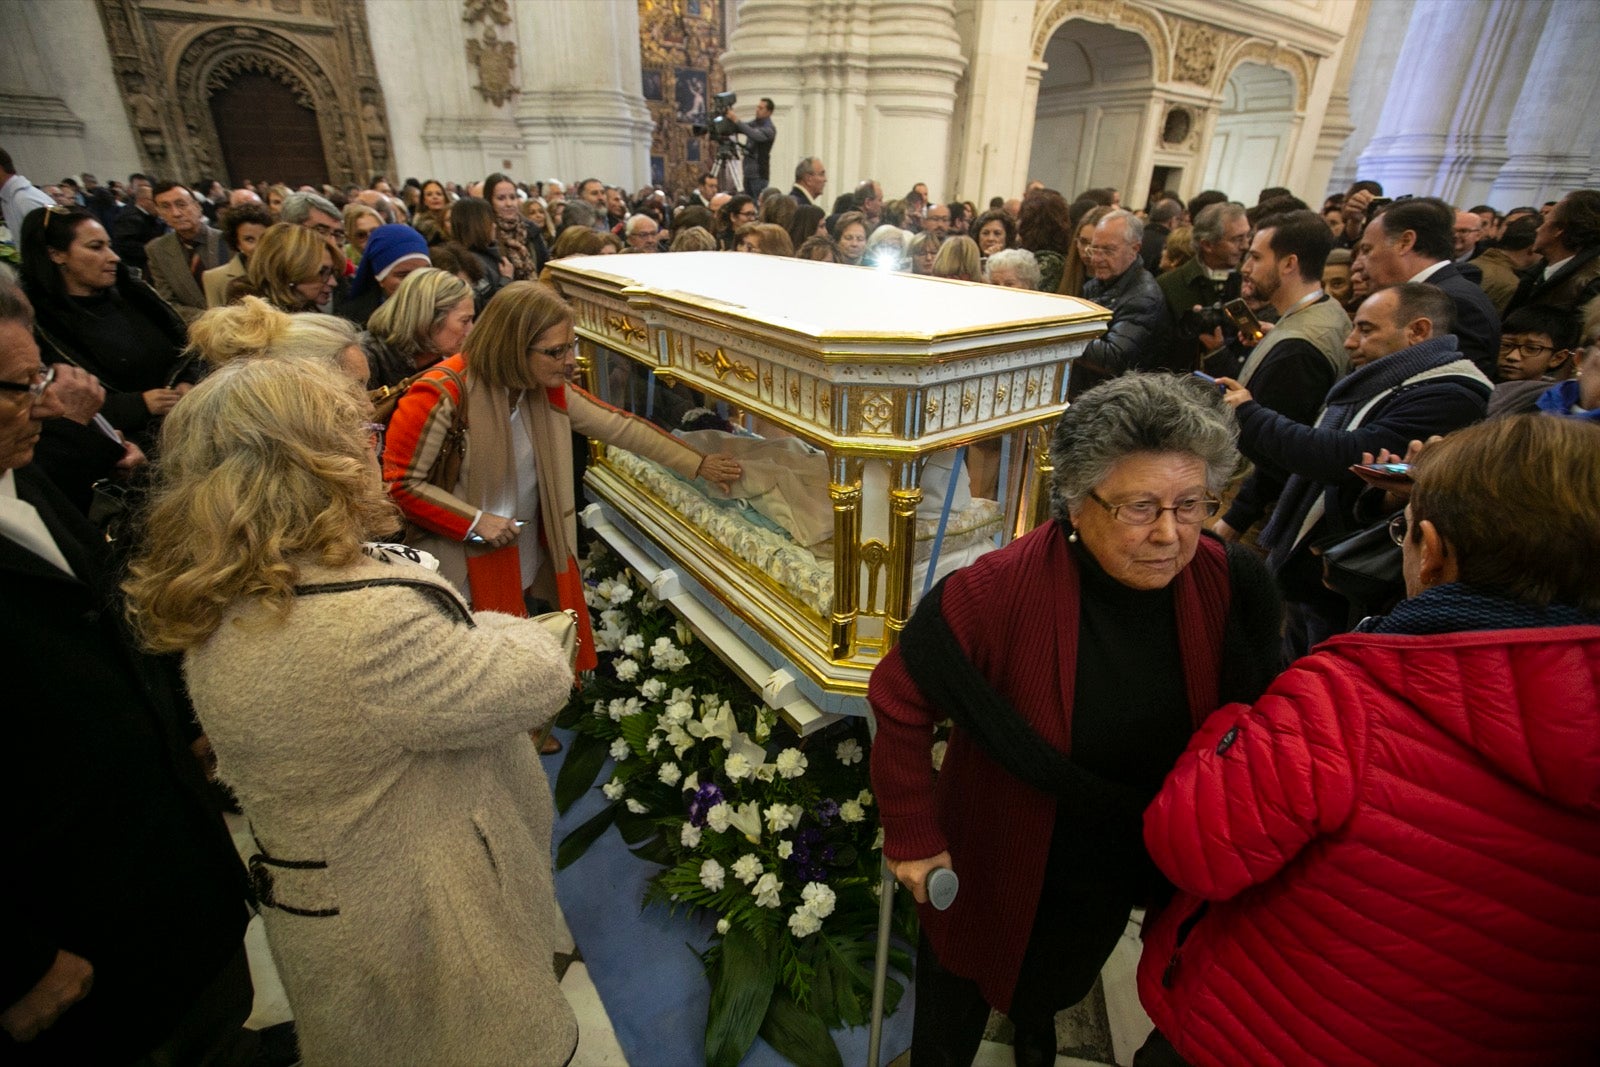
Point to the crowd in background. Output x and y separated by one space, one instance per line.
1353 353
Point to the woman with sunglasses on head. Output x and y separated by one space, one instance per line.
91 313
513 376
1393 856
1075 663
292 268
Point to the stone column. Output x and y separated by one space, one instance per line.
1337 123
866 85
1456 82
994 126
1555 125
581 109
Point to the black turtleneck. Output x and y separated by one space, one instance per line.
1130 716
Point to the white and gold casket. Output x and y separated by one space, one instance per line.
880 402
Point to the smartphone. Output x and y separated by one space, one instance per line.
1244 320
1203 376
477 538
1388 470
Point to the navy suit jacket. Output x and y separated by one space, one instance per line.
1477 327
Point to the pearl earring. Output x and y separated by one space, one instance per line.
1073 536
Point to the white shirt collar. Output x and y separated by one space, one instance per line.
1551 268
1429 271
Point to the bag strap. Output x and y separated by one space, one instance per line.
442 598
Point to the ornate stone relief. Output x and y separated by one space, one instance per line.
495 11
1194 60
496 60
169 62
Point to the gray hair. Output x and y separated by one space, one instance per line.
804 167
1149 412
14 305
297 208
1213 219
1135 224
1018 260
634 222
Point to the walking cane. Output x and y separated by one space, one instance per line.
941 886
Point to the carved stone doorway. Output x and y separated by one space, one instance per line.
267 134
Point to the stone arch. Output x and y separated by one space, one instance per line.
1050 17
1300 67
212 57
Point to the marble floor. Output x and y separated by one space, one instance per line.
1105 1029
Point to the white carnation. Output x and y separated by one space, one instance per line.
613 790
668 772
652 688
852 811
737 768
627 669
803 924
766 891
677 713
711 875
620 750
636 807
612 619
747 868
819 898
864 798
717 817
653 744
849 752
791 763
620 592
689 835
632 645
781 817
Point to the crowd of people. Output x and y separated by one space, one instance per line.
222 408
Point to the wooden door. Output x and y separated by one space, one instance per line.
266 134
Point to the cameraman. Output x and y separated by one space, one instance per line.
1221 235
759 134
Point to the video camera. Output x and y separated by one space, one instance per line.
720 127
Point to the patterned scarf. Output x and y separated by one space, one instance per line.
1459 608
512 237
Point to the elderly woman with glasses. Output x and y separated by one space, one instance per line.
1075 664
292 268
512 375
1394 855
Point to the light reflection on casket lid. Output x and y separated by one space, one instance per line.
830 302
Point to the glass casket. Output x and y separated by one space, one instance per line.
900 426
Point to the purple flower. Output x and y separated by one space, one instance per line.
705 798
827 811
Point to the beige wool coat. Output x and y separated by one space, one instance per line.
376 732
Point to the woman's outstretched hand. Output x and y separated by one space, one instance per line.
721 470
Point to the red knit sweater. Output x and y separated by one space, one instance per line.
1015 613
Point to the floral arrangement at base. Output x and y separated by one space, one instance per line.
773 834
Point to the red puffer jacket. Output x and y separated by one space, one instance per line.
1393 858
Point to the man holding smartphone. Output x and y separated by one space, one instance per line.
1301 356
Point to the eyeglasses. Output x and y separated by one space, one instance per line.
1145 512
376 432
329 231
35 389
1105 250
1399 526
324 275
558 351
1527 348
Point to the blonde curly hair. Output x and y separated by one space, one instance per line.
253 328
265 466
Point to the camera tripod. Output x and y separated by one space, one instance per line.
729 171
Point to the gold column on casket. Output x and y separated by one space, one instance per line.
878 371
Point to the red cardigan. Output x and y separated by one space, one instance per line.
1015 613
1401 846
